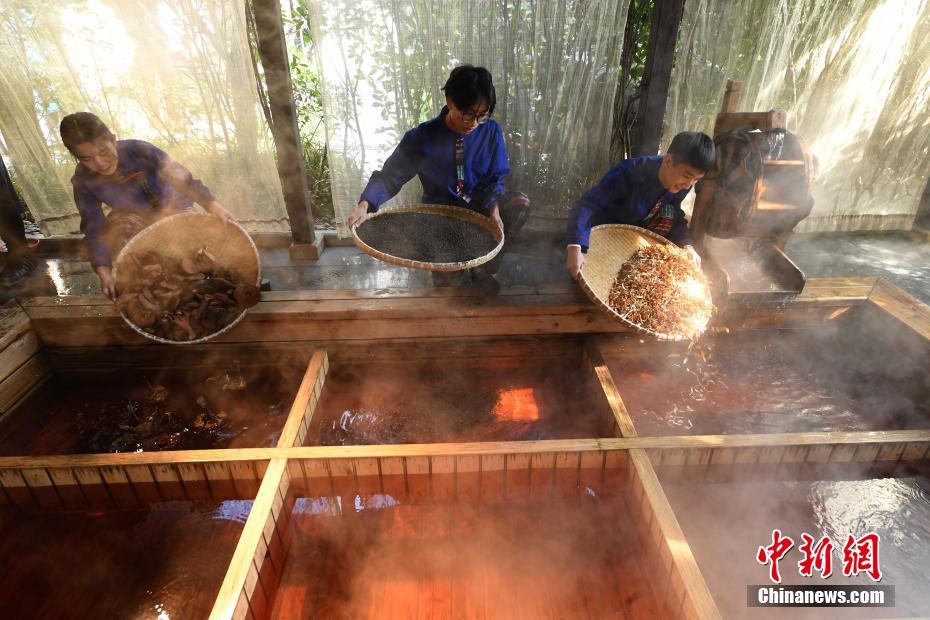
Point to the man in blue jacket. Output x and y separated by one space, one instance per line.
461 160
645 192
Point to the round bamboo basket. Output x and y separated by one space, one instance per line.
183 234
609 247
455 213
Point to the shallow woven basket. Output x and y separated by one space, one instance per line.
456 213
183 234
609 247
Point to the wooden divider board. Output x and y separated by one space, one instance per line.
319 316
22 366
680 580
305 401
242 593
902 306
121 485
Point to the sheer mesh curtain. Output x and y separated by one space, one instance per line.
555 65
175 73
854 77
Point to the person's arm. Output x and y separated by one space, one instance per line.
93 223
384 184
595 202
490 188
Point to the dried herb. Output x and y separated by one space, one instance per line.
185 299
659 289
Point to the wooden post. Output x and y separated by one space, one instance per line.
663 34
270 34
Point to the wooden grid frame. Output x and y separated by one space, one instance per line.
497 471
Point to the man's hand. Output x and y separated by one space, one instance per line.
107 283
358 215
496 216
574 261
215 208
693 255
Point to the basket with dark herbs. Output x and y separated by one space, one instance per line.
436 237
182 300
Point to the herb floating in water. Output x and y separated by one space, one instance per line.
182 300
660 289
426 237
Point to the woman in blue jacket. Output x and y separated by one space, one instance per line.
137 180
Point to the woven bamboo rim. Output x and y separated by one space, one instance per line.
181 235
609 247
456 213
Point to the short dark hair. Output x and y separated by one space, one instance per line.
694 149
82 127
467 85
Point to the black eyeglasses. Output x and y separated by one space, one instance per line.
481 119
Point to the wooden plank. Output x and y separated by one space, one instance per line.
304 400
442 478
17 353
467 478
393 317
609 388
493 470
242 561
341 294
14 322
260 456
21 381
674 538
903 306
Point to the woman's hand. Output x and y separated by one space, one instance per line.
358 215
107 283
496 216
574 261
215 208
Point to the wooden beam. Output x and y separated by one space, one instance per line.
290 161
607 385
233 599
665 533
903 306
305 401
663 35
330 316
13 323
464 449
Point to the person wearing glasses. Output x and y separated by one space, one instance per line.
461 160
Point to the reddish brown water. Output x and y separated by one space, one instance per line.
418 403
785 383
96 411
564 559
166 562
725 542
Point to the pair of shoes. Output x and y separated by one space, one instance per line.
485 282
15 273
